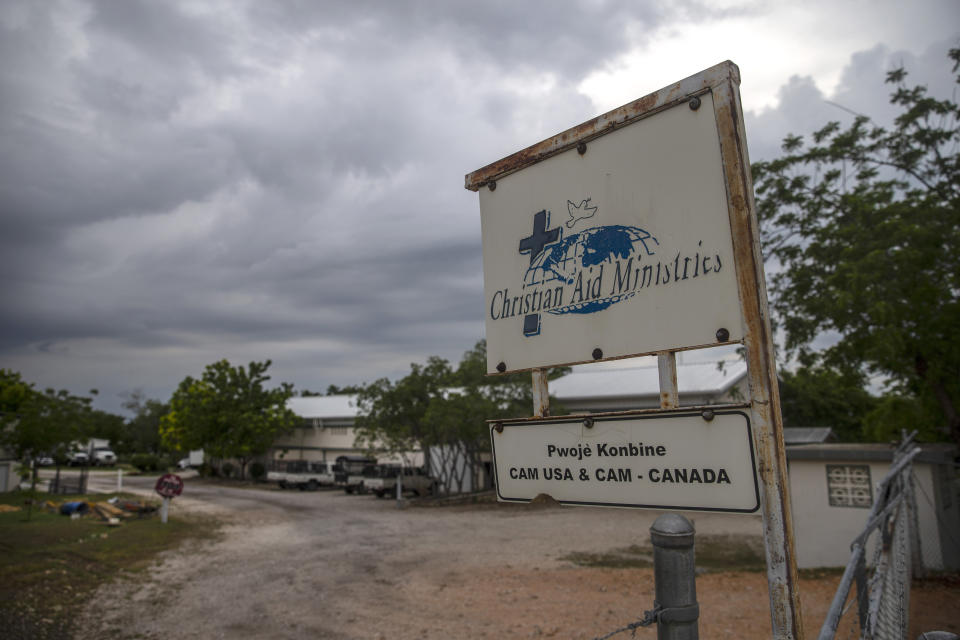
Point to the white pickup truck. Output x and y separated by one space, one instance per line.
301 474
382 481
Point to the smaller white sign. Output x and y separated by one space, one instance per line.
657 461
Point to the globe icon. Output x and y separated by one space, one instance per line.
562 260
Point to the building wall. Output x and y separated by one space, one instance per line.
317 441
8 475
325 440
8 471
823 532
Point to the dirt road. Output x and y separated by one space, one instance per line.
329 565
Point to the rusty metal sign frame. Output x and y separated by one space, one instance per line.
722 81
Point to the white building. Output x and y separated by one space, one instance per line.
832 489
592 389
8 471
324 432
327 427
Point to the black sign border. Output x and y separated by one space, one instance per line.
644 416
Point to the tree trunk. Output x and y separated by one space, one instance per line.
426 458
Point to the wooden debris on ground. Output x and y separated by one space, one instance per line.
141 508
107 512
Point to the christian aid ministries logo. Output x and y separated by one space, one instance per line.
590 270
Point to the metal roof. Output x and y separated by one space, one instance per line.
807 435
692 378
930 452
328 407
585 382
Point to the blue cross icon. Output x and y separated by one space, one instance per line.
541 236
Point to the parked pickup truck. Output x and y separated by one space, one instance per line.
349 470
382 481
305 475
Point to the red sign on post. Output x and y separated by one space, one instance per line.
169 485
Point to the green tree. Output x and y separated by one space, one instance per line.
391 413
823 397
334 390
14 393
863 228
456 422
228 413
895 412
141 433
36 423
443 412
103 424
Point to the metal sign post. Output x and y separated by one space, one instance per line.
635 234
782 578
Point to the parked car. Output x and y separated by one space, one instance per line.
183 463
348 472
103 457
45 461
382 481
301 474
78 459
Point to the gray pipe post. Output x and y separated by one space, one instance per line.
674 578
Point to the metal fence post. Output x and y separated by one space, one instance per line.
675 584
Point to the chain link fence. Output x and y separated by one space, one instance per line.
873 599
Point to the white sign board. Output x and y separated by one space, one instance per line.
625 248
658 461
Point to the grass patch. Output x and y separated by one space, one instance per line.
633 557
51 565
713 553
818 573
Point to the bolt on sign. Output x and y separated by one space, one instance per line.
633 234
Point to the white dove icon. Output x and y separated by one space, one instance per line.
579 211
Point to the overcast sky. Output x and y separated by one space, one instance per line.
182 182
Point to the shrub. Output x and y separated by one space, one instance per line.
227 469
145 461
258 471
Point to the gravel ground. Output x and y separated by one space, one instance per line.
329 565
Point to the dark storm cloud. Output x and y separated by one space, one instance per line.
334 188
567 40
182 182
